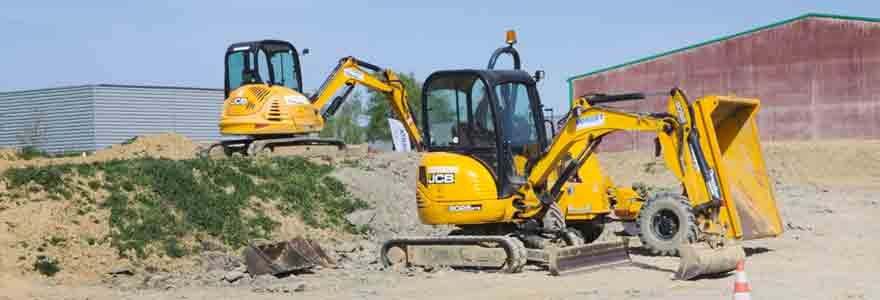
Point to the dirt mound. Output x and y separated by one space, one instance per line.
387 182
91 214
167 145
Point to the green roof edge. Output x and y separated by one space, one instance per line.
727 37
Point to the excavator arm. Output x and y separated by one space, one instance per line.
351 72
711 146
587 123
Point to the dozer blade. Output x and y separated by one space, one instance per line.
698 260
285 257
585 258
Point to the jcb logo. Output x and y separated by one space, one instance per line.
441 178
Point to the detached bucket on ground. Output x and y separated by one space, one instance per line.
281 258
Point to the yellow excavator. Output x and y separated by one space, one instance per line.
266 105
517 195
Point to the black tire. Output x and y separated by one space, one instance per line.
590 231
665 222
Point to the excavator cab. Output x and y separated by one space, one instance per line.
269 62
487 115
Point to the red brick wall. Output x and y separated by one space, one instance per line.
817 78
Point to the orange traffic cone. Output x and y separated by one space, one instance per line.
741 287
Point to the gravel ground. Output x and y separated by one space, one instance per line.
826 193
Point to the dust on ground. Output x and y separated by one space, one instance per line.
826 192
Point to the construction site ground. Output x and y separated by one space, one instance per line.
826 192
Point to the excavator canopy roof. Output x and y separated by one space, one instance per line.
267 45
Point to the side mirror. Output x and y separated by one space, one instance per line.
539 74
305 51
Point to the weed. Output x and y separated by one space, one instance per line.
46 265
94 184
31 152
174 249
57 241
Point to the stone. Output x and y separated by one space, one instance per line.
361 217
233 276
121 270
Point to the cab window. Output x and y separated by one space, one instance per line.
459 113
235 69
263 65
283 67
516 113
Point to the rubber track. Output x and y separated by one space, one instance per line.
516 251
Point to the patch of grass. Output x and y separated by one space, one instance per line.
47 266
31 152
49 177
69 154
94 184
57 241
652 167
158 202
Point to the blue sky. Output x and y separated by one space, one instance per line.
61 43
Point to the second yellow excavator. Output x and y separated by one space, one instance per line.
517 195
266 105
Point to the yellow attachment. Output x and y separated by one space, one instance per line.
511 37
729 135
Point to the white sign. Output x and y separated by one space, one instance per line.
443 169
463 208
354 73
296 99
399 136
591 121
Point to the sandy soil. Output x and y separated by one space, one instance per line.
826 193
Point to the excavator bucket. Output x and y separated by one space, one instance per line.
699 260
296 255
729 138
729 133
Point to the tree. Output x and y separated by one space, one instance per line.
344 124
380 109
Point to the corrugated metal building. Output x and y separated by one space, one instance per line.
90 117
817 75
